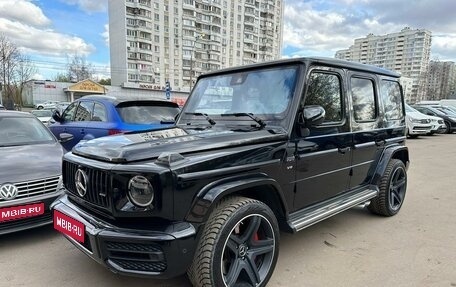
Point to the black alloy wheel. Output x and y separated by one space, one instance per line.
397 188
248 252
392 189
239 245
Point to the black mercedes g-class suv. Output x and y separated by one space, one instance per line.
278 145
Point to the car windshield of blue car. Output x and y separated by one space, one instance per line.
264 93
16 131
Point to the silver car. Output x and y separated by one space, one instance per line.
30 171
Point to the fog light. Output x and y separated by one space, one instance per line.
140 191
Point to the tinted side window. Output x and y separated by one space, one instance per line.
84 112
324 90
99 113
69 112
392 101
363 97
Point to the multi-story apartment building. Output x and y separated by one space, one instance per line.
441 80
407 52
153 42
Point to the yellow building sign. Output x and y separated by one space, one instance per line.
87 86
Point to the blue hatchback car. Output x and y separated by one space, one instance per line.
95 116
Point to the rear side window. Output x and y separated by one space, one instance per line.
392 101
99 113
363 96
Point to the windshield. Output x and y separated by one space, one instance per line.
23 131
265 93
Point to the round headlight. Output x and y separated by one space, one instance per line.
140 191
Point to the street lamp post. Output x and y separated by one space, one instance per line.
191 59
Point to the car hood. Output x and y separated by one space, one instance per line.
152 144
44 119
29 162
417 115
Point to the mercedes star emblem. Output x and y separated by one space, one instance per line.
81 181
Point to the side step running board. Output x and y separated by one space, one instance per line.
306 217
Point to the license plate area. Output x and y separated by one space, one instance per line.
69 226
21 211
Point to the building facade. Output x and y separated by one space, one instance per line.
36 92
407 52
155 42
441 80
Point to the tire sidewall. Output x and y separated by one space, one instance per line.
225 231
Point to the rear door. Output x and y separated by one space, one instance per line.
369 138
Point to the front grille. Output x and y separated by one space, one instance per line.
27 189
136 256
97 187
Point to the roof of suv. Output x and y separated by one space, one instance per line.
115 100
337 63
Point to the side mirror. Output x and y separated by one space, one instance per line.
313 115
56 116
65 137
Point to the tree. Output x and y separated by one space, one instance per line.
61 77
79 69
23 73
9 55
106 82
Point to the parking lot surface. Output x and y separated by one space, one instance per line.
417 247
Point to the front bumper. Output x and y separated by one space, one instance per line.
164 252
29 222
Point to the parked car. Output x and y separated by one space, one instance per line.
49 105
448 117
96 116
30 171
2 107
43 115
61 106
208 195
417 123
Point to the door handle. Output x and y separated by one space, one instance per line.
344 150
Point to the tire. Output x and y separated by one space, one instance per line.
393 186
40 107
239 245
447 128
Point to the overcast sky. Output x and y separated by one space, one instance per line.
50 30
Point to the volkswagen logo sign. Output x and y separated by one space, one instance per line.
81 181
8 191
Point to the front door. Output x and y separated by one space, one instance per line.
324 157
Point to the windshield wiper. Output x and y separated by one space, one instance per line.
206 116
250 115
